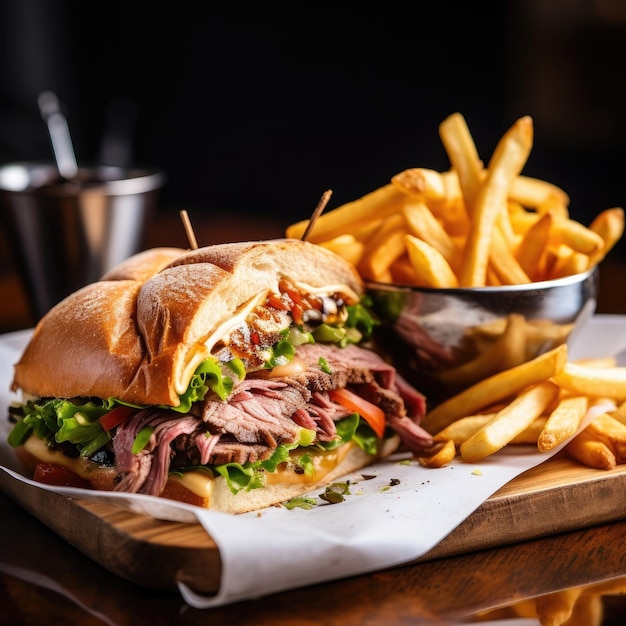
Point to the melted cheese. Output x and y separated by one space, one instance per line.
197 481
81 467
221 334
328 290
292 368
323 462
200 482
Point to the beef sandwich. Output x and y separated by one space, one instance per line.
230 377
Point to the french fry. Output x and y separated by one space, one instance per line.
521 219
431 268
576 236
431 185
463 428
490 222
563 422
496 388
609 224
402 272
534 192
509 422
593 381
366 230
572 263
426 184
459 145
554 204
345 219
589 451
385 246
531 252
612 433
504 263
439 455
506 163
425 226
531 433
346 246
620 413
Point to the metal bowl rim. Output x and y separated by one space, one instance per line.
119 180
573 279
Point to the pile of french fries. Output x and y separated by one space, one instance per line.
470 226
546 401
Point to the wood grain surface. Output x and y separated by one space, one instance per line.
557 496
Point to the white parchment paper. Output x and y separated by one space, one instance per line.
398 514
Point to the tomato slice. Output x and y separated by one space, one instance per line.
52 474
274 301
116 416
371 413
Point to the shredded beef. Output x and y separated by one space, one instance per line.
258 411
263 413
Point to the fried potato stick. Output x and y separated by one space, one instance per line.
531 252
430 266
585 448
609 382
345 219
441 453
509 422
563 422
461 150
609 224
507 161
496 388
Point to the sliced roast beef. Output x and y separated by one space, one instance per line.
263 413
147 470
258 411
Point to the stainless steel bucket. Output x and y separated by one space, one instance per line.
65 234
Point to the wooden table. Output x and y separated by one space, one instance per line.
43 579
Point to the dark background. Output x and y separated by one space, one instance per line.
258 108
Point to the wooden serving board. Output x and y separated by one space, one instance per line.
557 496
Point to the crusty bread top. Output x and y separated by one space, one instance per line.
144 264
131 334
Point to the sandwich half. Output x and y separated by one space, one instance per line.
231 377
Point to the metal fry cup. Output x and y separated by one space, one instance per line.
66 234
445 340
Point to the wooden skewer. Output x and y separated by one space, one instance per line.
321 205
189 229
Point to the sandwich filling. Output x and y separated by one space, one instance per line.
285 385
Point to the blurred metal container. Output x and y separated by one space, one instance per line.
65 234
445 340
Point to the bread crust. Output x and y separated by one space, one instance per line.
132 333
